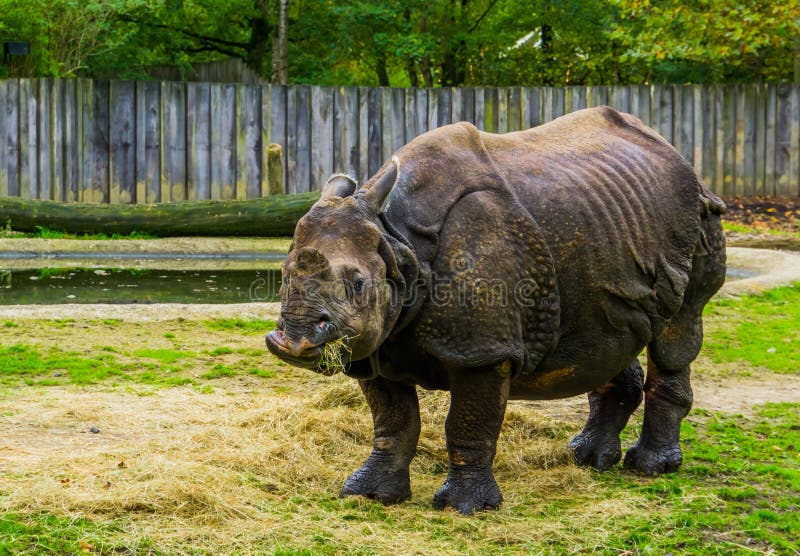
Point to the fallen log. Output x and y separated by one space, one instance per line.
275 215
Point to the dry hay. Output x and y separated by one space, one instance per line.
210 470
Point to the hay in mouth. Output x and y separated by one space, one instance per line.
335 357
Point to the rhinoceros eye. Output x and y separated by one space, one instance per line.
358 285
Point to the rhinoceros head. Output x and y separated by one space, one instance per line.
342 279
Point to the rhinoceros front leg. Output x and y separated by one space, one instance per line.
610 407
395 416
477 405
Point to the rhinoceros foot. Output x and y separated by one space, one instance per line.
469 493
376 480
652 461
601 451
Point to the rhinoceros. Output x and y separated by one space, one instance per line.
529 265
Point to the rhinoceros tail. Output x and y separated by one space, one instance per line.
711 203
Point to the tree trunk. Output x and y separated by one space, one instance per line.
380 69
280 53
260 38
275 215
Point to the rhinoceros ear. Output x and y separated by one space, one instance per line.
339 185
373 195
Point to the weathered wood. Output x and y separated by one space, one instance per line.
412 118
709 140
85 116
444 115
3 142
770 176
275 169
275 215
794 149
535 106
433 109
71 162
44 153
57 186
696 128
99 184
374 130
322 140
457 105
558 102
27 140
345 131
250 120
729 140
783 139
738 148
388 122
303 173
749 117
760 153
684 125
363 134
198 141
514 108
397 103
291 140
152 138
223 141
502 110
547 104
490 110
719 135
278 121
123 142
11 132
173 141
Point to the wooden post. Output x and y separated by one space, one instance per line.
275 185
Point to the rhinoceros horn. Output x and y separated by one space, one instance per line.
373 195
339 185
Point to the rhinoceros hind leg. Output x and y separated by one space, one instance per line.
477 405
395 414
610 406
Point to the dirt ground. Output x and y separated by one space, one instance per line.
766 213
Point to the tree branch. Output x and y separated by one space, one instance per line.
484 14
197 36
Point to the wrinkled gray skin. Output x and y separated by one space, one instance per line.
531 265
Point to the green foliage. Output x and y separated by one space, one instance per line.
249 326
163 355
416 42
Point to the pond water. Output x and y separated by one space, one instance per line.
49 286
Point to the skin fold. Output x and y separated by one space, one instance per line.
531 265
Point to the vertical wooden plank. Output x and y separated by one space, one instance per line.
345 131
86 146
468 104
322 137
578 98
644 104
663 116
99 184
759 153
770 177
729 140
558 102
279 124
12 138
374 130
480 108
697 129
57 192
303 138
422 110
43 147
444 106
514 109
719 139
27 140
709 137
547 104
411 115
198 141
783 139
173 142
3 142
240 191
456 104
535 106
398 118
71 141
122 161
739 141
502 109
363 134
750 117
684 127
223 141
386 118
253 144
152 138
291 140
433 109
794 142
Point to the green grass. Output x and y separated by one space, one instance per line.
164 355
743 229
219 371
247 326
46 233
762 330
35 367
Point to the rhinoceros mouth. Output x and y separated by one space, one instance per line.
305 354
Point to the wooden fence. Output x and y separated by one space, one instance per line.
144 142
